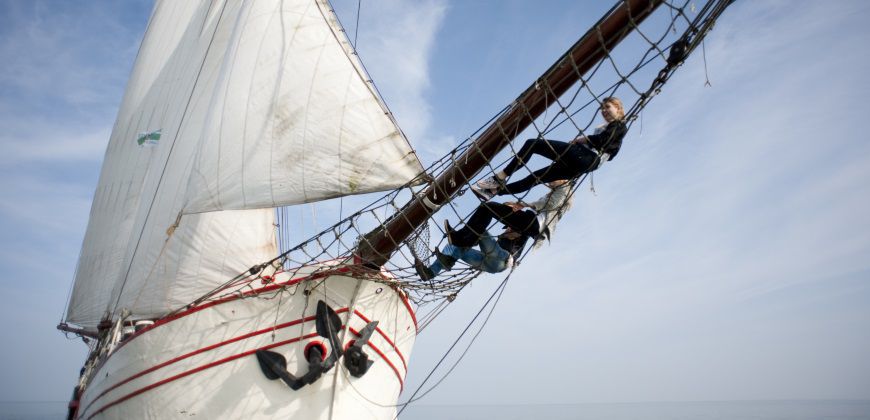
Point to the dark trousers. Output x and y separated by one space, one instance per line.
523 221
569 162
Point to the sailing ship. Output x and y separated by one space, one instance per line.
236 108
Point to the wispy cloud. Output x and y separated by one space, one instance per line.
735 209
56 50
64 65
59 94
52 144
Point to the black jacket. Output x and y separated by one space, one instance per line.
609 140
513 246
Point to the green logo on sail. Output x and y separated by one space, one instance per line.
148 139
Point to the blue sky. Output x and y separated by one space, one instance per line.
724 256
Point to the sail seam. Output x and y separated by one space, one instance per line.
166 164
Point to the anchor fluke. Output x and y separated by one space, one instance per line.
327 323
274 366
355 359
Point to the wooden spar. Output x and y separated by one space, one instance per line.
377 246
80 331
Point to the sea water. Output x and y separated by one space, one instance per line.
33 410
723 410
726 410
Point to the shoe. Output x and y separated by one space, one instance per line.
448 231
484 194
489 183
446 260
424 272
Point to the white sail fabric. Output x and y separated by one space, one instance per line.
126 163
134 257
204 251
295 118
262 101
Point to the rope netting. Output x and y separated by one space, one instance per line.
633 71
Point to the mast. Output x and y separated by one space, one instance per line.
377 246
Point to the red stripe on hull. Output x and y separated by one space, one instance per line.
198 369
234 357
390 342
205 349
384 357
228 359
255 292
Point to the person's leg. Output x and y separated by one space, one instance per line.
487 244
476 225
436 268
551 173
452 251
495 265
473 258
549 149
520 221
523 221
574 163
494 257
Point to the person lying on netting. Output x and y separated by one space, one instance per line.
570 160
496 254
527 220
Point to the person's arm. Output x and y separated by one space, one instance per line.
581 139
515 205
538 204
610 136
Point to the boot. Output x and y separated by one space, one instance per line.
424 272
447 261
448 231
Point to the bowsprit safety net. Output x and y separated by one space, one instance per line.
635 71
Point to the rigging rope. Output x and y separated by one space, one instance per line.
573 111
573 114
114 307
497 293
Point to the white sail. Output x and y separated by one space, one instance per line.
170 260
295 118
144 109
218 116
145 170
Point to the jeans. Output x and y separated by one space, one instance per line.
491 258
569 162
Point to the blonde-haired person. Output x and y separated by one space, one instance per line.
570 160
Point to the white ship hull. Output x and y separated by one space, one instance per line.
201 363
